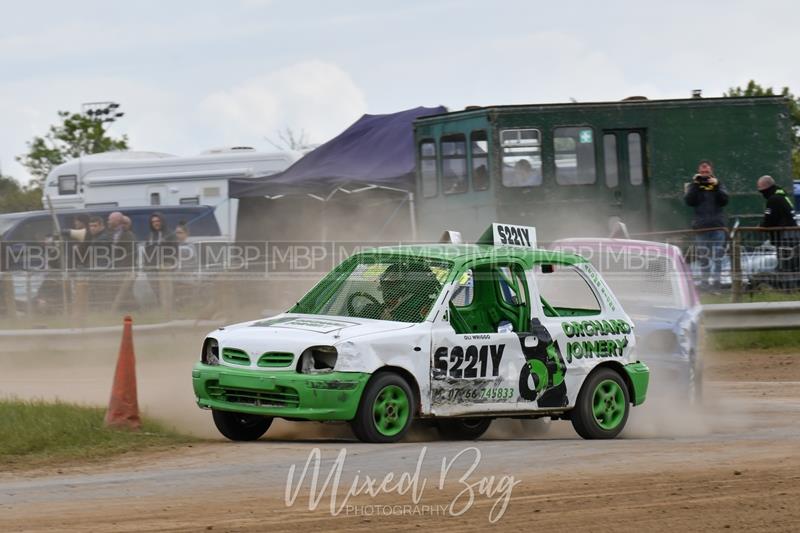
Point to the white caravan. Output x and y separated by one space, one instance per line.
128 179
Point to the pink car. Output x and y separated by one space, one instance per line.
654 285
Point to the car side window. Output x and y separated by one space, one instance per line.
564 292
464 291
488 298
34 230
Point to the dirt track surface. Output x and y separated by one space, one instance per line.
732 465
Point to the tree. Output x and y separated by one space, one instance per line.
15 197
754 89
78 134
288 139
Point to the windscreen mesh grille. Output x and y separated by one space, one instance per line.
401 290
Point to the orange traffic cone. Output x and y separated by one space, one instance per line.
123 407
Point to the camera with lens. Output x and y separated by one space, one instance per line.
702 180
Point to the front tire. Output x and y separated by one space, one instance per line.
386 409
462 428
241 426
603 405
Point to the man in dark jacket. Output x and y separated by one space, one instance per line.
779 213
124 241
707 196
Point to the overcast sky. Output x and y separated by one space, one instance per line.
192 75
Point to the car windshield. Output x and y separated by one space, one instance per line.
398 288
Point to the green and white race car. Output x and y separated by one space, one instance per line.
456 333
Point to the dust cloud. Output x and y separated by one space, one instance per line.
82 371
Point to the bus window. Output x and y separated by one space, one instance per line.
635 158
68 184
522 157
454 164
610 157
480 160
574 149
427 168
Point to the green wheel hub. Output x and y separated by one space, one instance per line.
391 410
608 404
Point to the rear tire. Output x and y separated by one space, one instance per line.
462 428
603 405
385 411
241 426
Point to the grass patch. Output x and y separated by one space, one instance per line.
37 432
753 340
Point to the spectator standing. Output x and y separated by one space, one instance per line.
101 288
188 262
123 239
159 246
187 253
779 213
707 196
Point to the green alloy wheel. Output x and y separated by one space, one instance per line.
602 407
385 411
608 404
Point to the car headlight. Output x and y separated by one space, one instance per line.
210 354
317 359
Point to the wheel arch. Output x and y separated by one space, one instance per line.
619 368
410 379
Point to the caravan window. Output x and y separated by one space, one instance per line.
192 200
68 184
155 198
522 157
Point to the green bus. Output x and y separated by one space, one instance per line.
573 169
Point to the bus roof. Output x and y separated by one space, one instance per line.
633 102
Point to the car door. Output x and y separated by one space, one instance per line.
626 174
566 297
476 355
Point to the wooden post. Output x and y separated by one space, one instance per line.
80 307
124 290
28 295
9 298
736 268
165 293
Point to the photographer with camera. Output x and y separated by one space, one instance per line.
707 196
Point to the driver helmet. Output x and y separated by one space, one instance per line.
401 279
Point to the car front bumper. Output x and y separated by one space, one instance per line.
328 396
